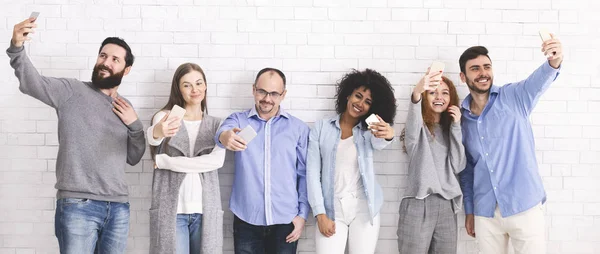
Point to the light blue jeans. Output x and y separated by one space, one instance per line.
189 233
89 226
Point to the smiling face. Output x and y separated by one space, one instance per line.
478 74
439 99
359 102
193 88
110 67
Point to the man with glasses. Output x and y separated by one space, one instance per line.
269 196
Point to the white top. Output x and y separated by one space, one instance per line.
190 191
347 175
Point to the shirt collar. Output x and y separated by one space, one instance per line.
281 112
466 104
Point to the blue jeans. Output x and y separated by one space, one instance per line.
89 226
251 239
189 233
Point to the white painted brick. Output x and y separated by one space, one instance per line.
189 37
503 28
255 51
315 51
204 12
285 51
297 38
347 13
379 65
467 40
51 23
433 40
275 12
301 64
162 12
256 26
427 53
131 12
483 15
353 27
182 25
379 14
294 26
405 4
237 12
153 25
353 52
446 15
179 51
229 38
338 64
310 13
267 38
400 40
463 28
410 14
391 27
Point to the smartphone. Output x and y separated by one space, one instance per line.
545 35
176 111
372 119
34 14
435 68
247 134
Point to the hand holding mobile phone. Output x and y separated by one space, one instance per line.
176 111
247 134
437 67
34 15
545 35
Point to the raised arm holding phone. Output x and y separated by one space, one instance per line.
99 133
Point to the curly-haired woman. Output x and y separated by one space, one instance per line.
342 189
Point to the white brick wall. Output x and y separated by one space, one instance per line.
314 43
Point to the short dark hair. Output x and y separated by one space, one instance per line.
384 101
269 69
471 53
119 42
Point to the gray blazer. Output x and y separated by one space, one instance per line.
165 193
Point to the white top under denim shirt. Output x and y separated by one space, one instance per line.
320 165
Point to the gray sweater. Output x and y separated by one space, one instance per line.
165 193
94 144
433 162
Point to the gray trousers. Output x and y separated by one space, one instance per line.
427 226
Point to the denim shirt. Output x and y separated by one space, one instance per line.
320 165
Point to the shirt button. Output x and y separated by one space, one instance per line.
486 154
494 187
492 171
478 121
482 138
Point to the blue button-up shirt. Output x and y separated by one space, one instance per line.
501 164
269 185
323 144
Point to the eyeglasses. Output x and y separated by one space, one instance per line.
263 93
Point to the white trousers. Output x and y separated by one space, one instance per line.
525 230
352 225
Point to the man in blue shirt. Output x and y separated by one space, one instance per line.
269 196
502 188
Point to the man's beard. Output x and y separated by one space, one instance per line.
474 88
113 80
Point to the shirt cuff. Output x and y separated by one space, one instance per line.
14 49
136 126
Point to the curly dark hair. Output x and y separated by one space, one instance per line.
384 101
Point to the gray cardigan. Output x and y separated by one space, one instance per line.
434 162
165 194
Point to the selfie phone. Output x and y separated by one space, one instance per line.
545 35
247 134
176 111
34 14
435 68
